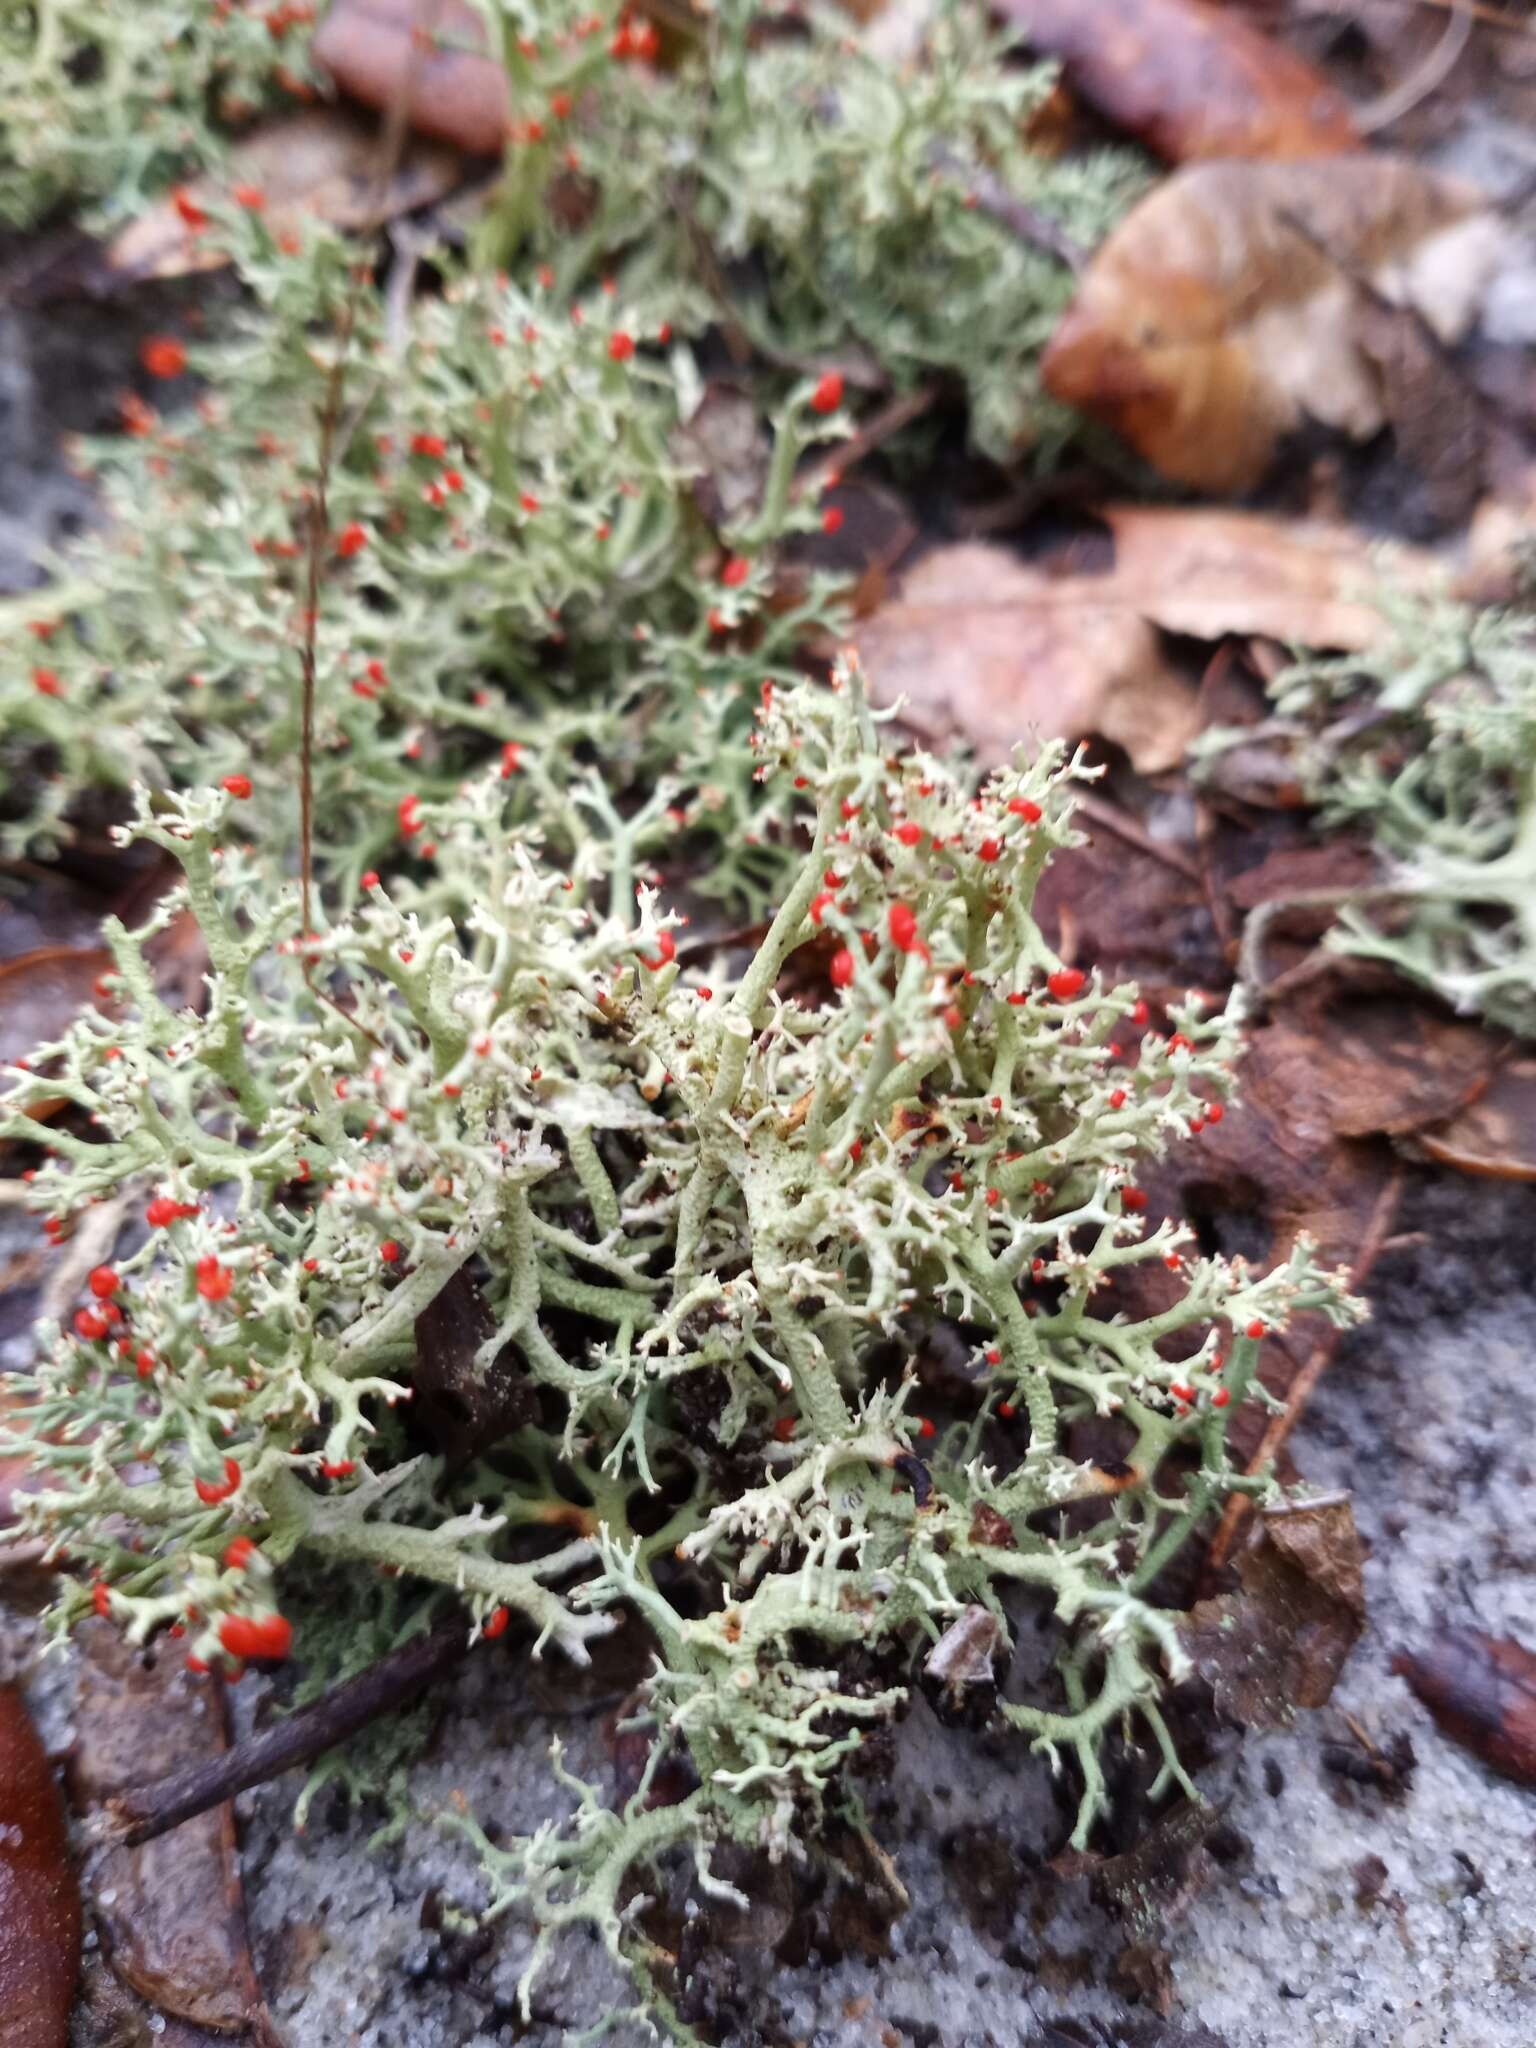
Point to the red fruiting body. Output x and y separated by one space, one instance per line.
784 1428
339 1468
239 1554
1221 1397
828 395
1021 807
251 197
407 811
1117 1099
163 355
102 1282
495 1624
1256 1329
1140 1015
370 880
429 444
954 1018
89 1325
994 1196
191 213
735 572
511 759
621 346
1133 1199
246 1636
352 539
144 1364
389 1251
1215 1113
1179 1043
901 922
926 1427
237 785
832 519
1018 1001
819 904
990 849
213 1280
841 969
211 1492
1065 983
46 682
101 1599
666 950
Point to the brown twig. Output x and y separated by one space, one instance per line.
895 414
144 1811
1279 1427
1111 818
391 148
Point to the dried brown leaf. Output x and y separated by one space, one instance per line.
41 994
1280 1641
990 649
1231 304
321 164
1207 571
1482 1691
1189 80
1494 1136
171 1912
458 91
39 1898
464 1407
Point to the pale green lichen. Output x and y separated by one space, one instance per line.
732 1189
1427 743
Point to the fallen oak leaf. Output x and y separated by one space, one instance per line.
1481 1691
1187 79
39 1897
983 646
1224 309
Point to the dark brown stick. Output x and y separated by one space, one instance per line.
144 1811
1110 818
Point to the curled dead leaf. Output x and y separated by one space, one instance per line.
1187 79
1238 299
1280 1641
1482 1691
39 1898
990 649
